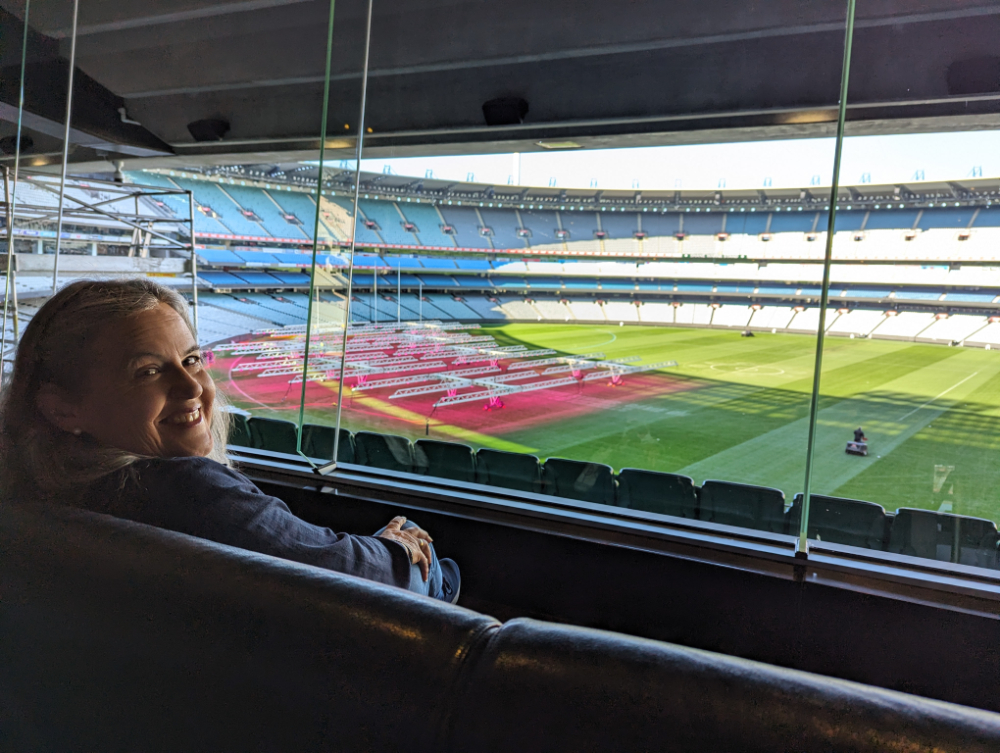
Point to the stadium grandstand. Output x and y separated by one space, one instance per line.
917 266
676 325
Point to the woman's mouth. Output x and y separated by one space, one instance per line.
186 418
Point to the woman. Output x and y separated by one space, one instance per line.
110 408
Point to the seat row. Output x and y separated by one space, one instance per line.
921 533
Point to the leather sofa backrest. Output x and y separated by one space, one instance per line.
556 688
119 636
115 636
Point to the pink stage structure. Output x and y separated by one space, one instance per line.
422 359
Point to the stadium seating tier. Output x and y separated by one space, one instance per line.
944 537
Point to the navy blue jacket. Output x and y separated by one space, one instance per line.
203 498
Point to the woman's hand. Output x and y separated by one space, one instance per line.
415 540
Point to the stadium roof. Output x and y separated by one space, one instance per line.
603 74
382 186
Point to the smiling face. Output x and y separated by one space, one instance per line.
146 390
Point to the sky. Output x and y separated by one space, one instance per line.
798 163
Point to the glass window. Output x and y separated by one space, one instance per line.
708 295
904 452
550 311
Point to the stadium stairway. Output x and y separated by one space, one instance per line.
452 309
271 214
389 220
486 308
428 224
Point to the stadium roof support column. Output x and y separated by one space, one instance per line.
802 547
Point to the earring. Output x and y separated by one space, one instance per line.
77 432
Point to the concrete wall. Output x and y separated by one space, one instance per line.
29 264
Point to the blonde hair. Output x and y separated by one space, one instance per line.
38 461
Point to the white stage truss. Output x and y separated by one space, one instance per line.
424 349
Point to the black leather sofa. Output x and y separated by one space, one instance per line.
115 636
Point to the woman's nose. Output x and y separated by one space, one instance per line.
186 386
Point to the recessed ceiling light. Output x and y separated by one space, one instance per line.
558 145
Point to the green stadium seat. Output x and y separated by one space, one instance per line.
451 460
744 505
239 431
841 521
652 491
273 434
317 442
576 479
510 470
383 451
944 537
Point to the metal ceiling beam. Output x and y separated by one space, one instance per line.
592 51
193 14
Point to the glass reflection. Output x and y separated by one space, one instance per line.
589 342
906 434
644 342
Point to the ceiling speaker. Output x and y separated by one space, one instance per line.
8 144
978 75
210 129
505 111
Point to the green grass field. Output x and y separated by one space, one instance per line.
737 409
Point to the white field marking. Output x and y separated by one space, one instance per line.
606 332
736 368
942 394
945 507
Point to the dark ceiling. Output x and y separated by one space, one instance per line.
619 73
